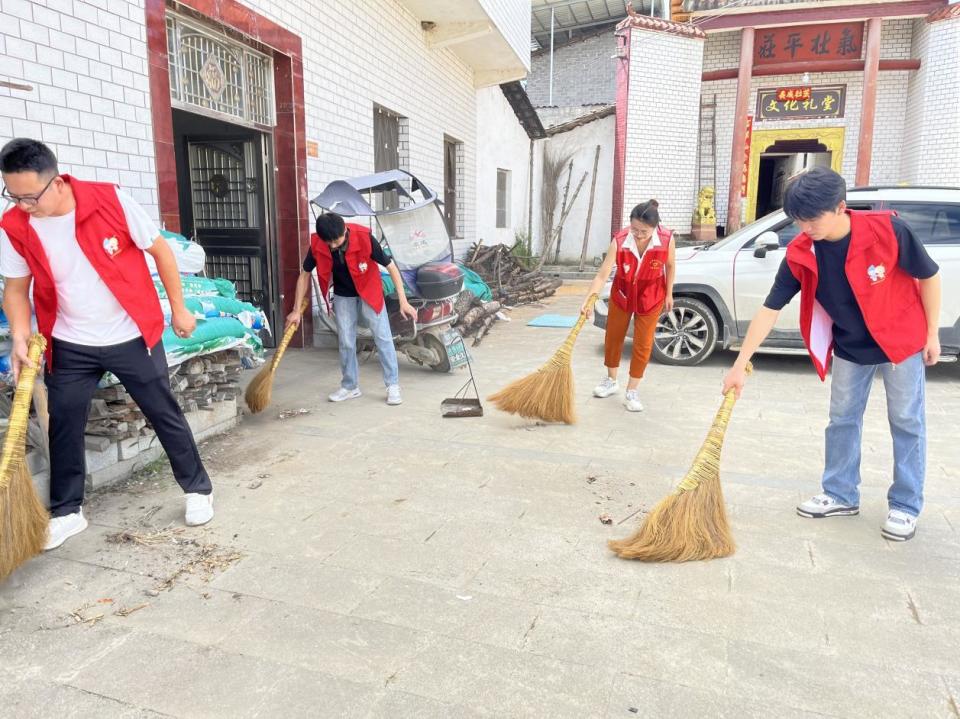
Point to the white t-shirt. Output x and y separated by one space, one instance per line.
87 312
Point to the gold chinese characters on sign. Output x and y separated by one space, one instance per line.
799 103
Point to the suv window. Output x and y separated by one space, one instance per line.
788 229
933 224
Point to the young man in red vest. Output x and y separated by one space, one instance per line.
81 244
870 299
348 256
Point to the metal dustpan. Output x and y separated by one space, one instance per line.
462 405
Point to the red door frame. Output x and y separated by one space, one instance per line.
290 141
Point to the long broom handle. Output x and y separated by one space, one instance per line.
287 337
562 355
14 444
707 461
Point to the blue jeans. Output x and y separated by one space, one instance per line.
849 390
348 310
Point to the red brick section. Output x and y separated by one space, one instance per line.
620 136
290 143
740 112
946 13
868 102
797 68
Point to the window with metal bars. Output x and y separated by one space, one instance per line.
211 72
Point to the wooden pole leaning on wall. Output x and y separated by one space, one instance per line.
593 194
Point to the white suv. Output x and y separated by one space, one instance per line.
718 288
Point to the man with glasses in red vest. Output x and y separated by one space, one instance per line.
870 301
81 246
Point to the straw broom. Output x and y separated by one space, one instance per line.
546 394
691 523
260 387
23 518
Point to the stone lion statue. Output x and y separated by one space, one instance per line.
705 214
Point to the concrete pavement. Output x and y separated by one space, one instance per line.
374 561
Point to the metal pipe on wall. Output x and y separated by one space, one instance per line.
552 16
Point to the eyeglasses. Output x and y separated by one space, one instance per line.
28 200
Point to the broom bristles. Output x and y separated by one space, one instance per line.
23 518
683 527
23 521
260 389
548 393
691 523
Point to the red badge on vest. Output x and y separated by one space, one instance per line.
877 274
655 264
111 246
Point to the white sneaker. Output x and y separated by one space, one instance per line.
62 528
393 395
606 388
341 394
899 526
199 509
823 505
632 401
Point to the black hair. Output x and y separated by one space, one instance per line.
647 213
330 227
814 192
25 155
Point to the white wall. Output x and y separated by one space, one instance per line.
505 146
662 118
90 100
583 141
512 18
932 142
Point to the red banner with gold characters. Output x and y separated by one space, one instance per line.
808 43
748 138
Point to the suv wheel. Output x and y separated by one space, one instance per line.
686 335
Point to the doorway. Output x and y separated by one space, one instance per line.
776 155
224 203
779 163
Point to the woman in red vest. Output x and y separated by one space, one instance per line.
80 245
870 302
643 255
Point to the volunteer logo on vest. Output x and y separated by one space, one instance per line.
655 264
111 246
363 266
626 268
877 273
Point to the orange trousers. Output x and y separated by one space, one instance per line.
643 328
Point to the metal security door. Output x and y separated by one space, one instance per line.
228 213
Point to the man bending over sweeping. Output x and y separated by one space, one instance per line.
350 256
869 297
81 244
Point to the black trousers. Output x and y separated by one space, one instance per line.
70 386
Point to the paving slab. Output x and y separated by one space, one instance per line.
375 561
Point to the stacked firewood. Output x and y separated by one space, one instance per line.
196 383
474 316
512 283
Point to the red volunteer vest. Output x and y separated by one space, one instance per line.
364 271
104 238
641 286
888 297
